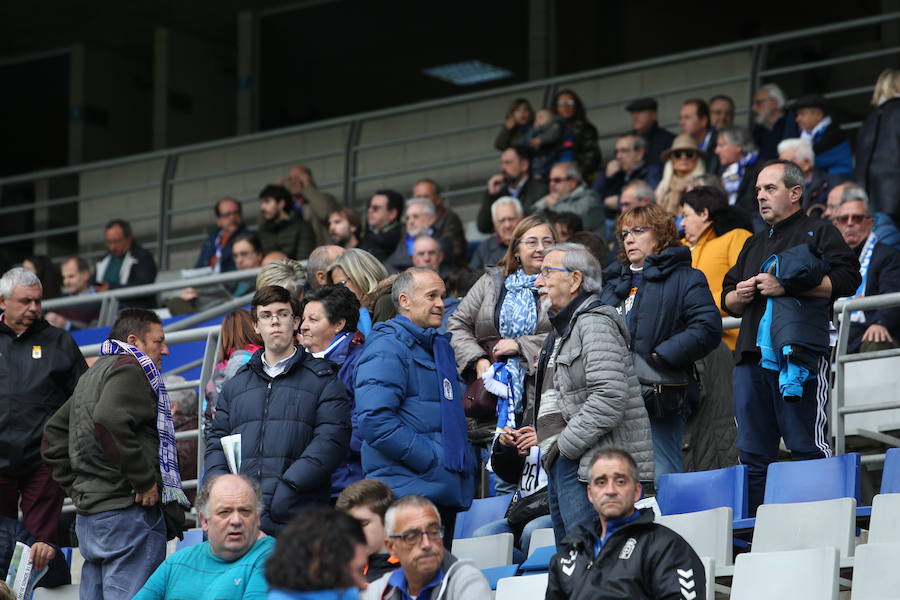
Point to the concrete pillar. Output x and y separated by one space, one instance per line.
247 71
541 39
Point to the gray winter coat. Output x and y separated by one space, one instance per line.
599 394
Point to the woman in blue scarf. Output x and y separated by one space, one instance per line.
329 330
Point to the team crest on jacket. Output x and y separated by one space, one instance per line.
448 389
627 549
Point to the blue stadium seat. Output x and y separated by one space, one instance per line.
539 561
811 480
482 512
497 573
890 477
703 490
192 537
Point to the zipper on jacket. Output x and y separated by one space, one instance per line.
259 447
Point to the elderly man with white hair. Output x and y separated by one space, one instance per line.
506 213
590 397
818 183
740 164
40 366
774 122
419 217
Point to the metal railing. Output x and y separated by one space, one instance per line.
351 146
842 311
109 300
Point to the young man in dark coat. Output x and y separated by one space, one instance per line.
291 411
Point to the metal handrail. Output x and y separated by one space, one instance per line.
842 312
351 147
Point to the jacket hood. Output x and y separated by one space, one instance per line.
593 304
660 266
407 331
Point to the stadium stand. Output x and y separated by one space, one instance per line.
798 575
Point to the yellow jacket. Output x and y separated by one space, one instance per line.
714 255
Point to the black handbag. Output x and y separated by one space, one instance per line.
664 389
522 511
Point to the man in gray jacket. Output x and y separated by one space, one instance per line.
414 534
568 193
590 397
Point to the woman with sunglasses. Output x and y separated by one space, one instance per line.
579 142
670 314
682 162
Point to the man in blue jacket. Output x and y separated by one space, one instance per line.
409 402
291 412
763 417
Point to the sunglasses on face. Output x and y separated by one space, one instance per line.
845 219
684 154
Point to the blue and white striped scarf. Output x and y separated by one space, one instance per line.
168 452
518 317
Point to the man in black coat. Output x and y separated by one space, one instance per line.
773 122
623 553
383 226
291 412
125 264
643 121
880 270
694 120
515 180
39 367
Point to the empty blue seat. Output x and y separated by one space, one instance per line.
192 537
495 574
890 477
812 480
539 560
482 512
703 490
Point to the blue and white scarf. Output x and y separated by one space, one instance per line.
168 452
518 317
734 173
865 259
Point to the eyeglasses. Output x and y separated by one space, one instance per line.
545 271
676 154
558 179
230 213
342 282
565 103
532 243
414 536
244 254
635 231
844 219
281 315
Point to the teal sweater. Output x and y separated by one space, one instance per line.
196 573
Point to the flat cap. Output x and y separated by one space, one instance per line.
642 104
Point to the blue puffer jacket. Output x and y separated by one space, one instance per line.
346 355
675 314
399 407
294 430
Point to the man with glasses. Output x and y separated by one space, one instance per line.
383 226
514 180
568 193
763 416
773 122
216 250
419 219
414 534
506 214
291 413
643 120
630 164
879 268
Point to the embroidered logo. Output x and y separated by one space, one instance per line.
238 581
686 581
627 549
35 352
568 563
448 389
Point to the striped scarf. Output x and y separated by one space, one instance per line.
168 452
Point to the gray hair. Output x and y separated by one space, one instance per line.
792 176
504 201
285 272
578 258
411 501
738 136
707 180
572 171
183 401
205 492
15 277
404 284
802 149
775 92
642 190
853 192
429 207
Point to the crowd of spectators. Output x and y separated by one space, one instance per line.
400 362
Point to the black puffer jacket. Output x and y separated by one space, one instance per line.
877 149
676 317
295 431
641 560
38 372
